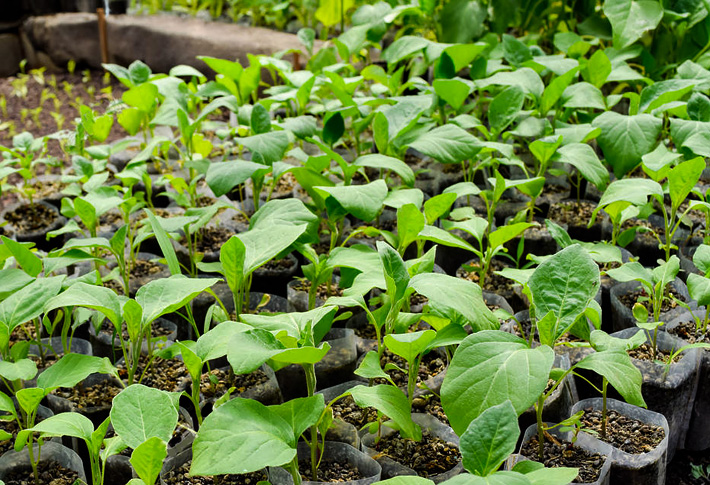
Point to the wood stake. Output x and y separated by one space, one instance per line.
103 38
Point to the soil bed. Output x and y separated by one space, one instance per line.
680 470
329 471
688 332
494 282
31 218
348 411
155 330
627 434
50 473
561 454
163 374
667 304
645 352
430 404
430 456
430 366
210 239
93 396
572 213
227 379
322 292
180 477
277 265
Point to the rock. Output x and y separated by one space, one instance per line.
11 54
161 41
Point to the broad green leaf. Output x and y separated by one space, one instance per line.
409 345
95 297
598 68
625 139
583 157
662 92
403 47
165 295
222 177
455 298
242 436
147 459
333 128
410 221
505 108
11 280
370 367
621 373
630 19
391 402
553 92
362 201
384 162
699 107
263 244
699 289
64 424
583 96
503 234
271 146
564 284
24 369
300 413
489 368
447 144
72 369
143 97
490 439
682 178
260 120
28 303
461 21
453 91
25 258
140 413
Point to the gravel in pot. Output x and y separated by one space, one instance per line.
341 462
273 277
106 343
56 461
297 292
92 397
623 296
638 436
31 223
435 457
575 215
176 472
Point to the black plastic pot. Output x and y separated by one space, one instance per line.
670 392
299 298
622 316
337 366
13 461
698 435
274 281
583 441
629 469
607 283
134 283
492 299
685 254
39 237
334 451
363 345
340 430
392 468
108 345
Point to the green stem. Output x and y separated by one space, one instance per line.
604 384
311 386
540 428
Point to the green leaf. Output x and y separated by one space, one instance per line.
630 19
583 157
564 284
333 128
25 258
410 221
271 146
391 402
375 160
24 369
553 92
489 368
242 436
699 288
95 297
682 179
457 299
165 295
453 91
598 68
409 345
503 234
28 303
621 373
362 201
490 439
164 242
224 176
447 144
147 459
699 107
625 139
140 413
64 424
505 108
72 369
263 244
260 120
662 92
301 413
403 47
583 95
461 21
370 367
142 97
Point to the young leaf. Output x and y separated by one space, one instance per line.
147 459
300 413
505 108
490 439
616 129
140 413
162 296
409 345
72 369
621 373
630 19
391 402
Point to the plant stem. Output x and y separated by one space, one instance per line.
604 384
540 427
310 371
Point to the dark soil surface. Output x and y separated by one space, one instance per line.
210 239
226 379
627 434
348 411
330 471
50 473
494 283
162 374
28 109
277 265
180 477
323 291
93 396
573 213
143 268
561 454
155 330
366 332
667 304
427 457
645 352
430 404
689 468
31 218
688 332
430 366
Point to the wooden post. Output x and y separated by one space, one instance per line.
103 38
